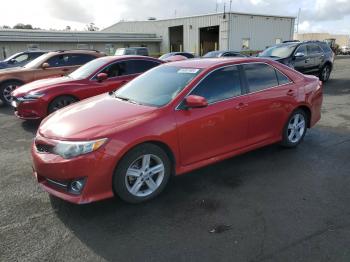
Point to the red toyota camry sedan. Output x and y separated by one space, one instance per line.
175 118
38 99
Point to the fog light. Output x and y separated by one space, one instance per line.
76 186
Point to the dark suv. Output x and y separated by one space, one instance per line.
306 57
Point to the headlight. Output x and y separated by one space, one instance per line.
72 149
32 96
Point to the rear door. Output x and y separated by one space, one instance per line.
271 95
218 128
316 56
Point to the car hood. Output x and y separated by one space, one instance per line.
42 85
93 118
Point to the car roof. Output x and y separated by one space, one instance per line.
205 63
127 57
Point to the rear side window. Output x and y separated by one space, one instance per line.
282 79
313 49
58 61
140 66
222 84
260 77
79 59
325 47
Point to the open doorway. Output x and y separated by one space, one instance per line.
208 39
176 38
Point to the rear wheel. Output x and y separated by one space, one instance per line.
295 129
325 73
60 102
6 90
142 174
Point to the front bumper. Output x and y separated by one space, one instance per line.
29 110
96 167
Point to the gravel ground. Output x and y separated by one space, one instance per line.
271 204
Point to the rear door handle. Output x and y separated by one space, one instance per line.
290 93
241 105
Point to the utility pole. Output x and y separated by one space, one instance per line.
298 20
230 6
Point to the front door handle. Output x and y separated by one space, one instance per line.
307 60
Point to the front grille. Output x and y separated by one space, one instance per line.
42 148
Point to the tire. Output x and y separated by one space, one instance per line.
60 102
5 90
325 73
133 180
294 132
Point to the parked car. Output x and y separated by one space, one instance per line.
20 59
174 118
132 51
168 55
216 54
345 50
52 64
306 57
39 98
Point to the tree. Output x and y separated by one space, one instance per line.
68 28
6 27
23 26
92 27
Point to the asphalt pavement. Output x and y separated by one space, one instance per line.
272 204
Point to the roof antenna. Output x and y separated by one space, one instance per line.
224 17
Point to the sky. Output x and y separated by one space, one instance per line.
316 15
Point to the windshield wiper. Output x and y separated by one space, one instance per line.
126 99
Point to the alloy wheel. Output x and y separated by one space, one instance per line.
144 175
326 73
7 92
62 103
296 128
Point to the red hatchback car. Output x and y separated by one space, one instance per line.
172 119
38 99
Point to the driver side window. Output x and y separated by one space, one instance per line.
116 69
301 49
221 84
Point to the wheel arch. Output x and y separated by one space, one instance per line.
12 79
307 110
60 95
164 146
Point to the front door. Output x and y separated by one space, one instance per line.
220 127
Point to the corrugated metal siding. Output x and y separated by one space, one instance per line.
262 31
191 35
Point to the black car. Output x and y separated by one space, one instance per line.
185 54
306 57
216 54
20 59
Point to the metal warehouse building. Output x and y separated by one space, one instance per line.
13 41
220 31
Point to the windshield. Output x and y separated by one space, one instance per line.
86 70
120 51
166 56
158 86
10 57
37 61
279 51
212 54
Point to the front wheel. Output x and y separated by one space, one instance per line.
142 174
295 129
60 102
6 90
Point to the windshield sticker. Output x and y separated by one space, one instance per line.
188 71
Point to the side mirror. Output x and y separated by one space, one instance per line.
101 77
194 101
299 54
12 61
45 65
